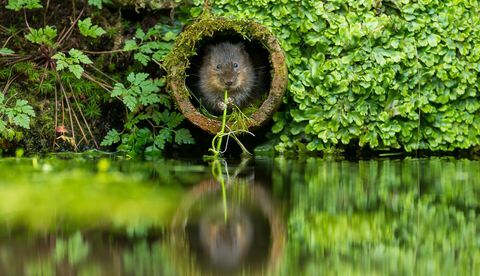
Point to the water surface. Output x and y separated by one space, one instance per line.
104 215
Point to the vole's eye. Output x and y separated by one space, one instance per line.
235 65
218 66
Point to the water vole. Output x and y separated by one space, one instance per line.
226 66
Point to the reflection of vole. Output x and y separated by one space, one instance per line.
226 66
226 243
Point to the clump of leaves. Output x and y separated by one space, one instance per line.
87 29
73 62
152 45
17 5
17 115
144 100
377 74
41 36
141 91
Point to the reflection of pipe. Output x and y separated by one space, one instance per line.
236 234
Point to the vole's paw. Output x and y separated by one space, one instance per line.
221 105
230 100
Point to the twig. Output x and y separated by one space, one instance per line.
102 73
84 120
9 82
69 31
6 41
103 52
45 13
105 86
69 109
26 21
56 117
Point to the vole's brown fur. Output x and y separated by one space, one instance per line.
226 66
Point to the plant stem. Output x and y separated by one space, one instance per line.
222 130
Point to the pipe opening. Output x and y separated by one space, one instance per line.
210 53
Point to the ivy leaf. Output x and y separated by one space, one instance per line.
183 136
111 138
89 30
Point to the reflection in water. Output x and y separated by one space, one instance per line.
225 242
249 240
83 216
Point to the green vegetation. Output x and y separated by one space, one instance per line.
381 75
73 71
383 217
377 74
374 217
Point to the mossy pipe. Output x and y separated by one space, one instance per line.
177 63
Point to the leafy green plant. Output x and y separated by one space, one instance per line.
17 115
17 5
42 35
98 3
6 51
142 91
152 45
376 74
137 138
87 29
73 62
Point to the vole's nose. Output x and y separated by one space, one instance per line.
228 83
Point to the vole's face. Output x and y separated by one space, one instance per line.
226 63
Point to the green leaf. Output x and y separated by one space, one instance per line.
22 120
76 69
111 138
6 51
3 126
72 63
162 138
183 136
89 30
17 5
96 3
174 119
130 45
42 36
22 106
79 57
